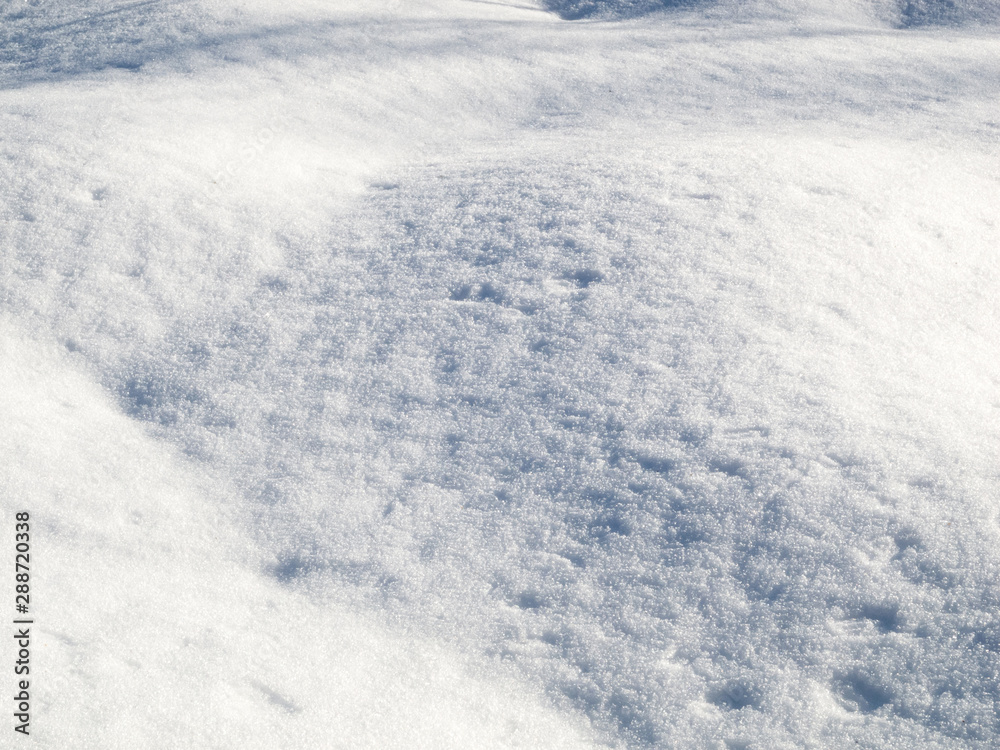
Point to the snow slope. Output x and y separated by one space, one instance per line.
647 364
155 632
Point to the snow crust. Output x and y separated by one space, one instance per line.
453 375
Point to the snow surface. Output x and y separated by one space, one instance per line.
453 374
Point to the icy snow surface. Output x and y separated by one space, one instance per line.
454 374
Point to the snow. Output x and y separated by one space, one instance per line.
158 632
452 374
899 13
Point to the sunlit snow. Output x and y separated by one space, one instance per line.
485 374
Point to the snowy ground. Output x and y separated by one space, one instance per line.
453 374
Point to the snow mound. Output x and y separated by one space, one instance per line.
655 363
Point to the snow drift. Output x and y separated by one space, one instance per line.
648 369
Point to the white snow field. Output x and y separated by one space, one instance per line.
487 374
